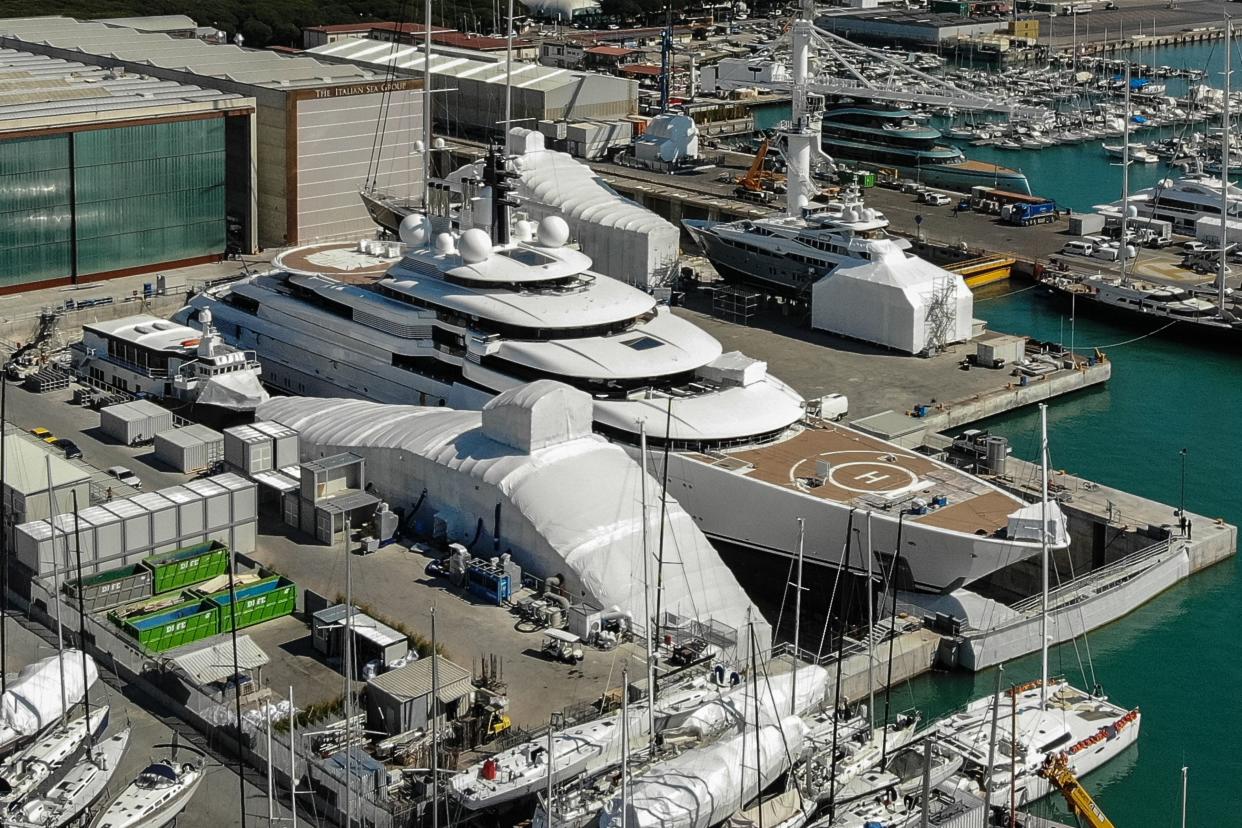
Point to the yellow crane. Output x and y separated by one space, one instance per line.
1056 770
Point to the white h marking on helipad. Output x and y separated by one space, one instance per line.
872 477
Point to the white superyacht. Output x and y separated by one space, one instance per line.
457 317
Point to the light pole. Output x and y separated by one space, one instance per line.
1181 512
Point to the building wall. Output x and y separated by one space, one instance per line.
123 199
338 154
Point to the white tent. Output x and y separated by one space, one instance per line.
898 301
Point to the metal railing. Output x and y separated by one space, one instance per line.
1075 589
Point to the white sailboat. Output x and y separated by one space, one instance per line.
78 790
156 796
1042 718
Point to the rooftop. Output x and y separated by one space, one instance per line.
215 663
34 87
147 331
413 681
645 69
151 23
609 51
26 467
255 67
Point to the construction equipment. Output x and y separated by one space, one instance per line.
1056 770
759 183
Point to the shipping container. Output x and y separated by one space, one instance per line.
244 493
33 544
284 442
191 448
163 518
247 450
109 535
187 566
217 503
112 587
243 537
65 544
174 626
190 513
135 421
260 601
135 524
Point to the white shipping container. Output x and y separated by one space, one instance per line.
135 524
109 533
190 448
33 545
243 537
190 513
284 443
64 544
217 502
133 421
248 450
163 518
244 494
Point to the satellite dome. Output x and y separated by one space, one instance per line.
438 143
553 232
475 246
419 146
524 230
1131 211
444 244
415 230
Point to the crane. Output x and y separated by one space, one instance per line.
758 183
1056 770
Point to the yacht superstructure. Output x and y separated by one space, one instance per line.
456 318
1183 201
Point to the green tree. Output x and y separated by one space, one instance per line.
257 33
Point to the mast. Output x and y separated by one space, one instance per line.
293 761
803 131
435 727
347 655
892 638
987 779
548 803
666 56
647 621
60 640
4 528
1185 770
668 441
870 634
1225 154
1125 177
793 678
427 116
508 79
86 689
625 747
1043 551
846 560
241 766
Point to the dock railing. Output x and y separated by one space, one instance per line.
1091 583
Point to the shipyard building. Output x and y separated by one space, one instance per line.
106 173
313 142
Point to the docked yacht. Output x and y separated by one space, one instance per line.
456 318
878 135
156 797
67 800
1183 201
1145 301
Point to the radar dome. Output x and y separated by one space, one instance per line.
415 230
419 146
476 246
444 244
1131 252
1131 211
524 230
438 143
553 232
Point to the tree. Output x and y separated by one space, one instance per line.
257 34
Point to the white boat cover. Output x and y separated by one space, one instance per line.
1024 524
894 302
571 505
626 241
774 695
786 809
33 700
704 787
238 391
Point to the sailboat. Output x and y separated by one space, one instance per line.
159 793
29 768
1041 718
78 790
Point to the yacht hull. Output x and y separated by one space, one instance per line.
768 272
1160 324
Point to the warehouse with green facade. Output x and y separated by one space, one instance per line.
108 173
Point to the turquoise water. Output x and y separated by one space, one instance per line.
1175 657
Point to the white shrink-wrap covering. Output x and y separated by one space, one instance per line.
33 700
570 506
774 696
701 788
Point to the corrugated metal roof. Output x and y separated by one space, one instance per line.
151 23
250 66
34 86
413 681
215 663
26 469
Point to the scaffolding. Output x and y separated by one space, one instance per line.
941 314
734 304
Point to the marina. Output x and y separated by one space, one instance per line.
828 445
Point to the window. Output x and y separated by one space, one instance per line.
643 343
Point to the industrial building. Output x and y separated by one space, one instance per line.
908 27
25 489
107 173
315 123
400 700
477 107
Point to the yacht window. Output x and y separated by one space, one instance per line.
526 256
643 343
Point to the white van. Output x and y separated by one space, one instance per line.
1078 248
1108 254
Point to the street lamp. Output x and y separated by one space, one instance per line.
1182 508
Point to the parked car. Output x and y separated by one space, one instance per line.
936 199
43 434
124 475
1194 246
70 448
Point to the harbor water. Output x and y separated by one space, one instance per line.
1176 657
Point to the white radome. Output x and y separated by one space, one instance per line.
444 244
414 230
553 232
476 245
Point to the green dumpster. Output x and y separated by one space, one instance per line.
174 626
258 602
183 567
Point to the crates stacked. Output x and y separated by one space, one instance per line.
191 448
134 422
248 450
125 531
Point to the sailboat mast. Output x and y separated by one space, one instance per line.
1125 176
86 688
625 750
509 79
60 640
1185 770
347 655
1225 154
428 120
435 727
293 761
793 695
649 628
870 632
1043 550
